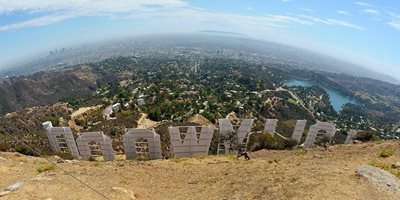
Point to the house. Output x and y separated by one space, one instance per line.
141 102
116 106
107 112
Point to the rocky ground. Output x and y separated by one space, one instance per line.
298 174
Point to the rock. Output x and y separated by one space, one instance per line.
396 165
357 142
71 161
318 156
14 186
3 193
11 188
41 178
379 178
128 193
2 159
59 159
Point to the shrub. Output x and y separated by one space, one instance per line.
267 141
144 157
155 114
54 120
385 166
365 136
79 122
231 156
381 165
301 152
322 140
386 153
290 143
379 142
124 113
26 151
113 132
92 158
4 146
45 167
208 115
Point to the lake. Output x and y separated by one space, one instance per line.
337 99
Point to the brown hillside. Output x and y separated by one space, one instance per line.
315 174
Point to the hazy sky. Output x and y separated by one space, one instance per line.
364 32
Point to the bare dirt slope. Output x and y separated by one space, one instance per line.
315 174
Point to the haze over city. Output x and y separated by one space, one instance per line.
200 99
362 32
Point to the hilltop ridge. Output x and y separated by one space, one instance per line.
297 174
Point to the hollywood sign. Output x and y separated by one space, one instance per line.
186 141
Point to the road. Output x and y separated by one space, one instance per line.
294 96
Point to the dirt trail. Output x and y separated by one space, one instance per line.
83 110
78 114
199 119
144 122
315 174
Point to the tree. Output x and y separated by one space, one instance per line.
155 113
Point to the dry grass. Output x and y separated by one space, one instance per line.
386 153
45 167
270 174
385 166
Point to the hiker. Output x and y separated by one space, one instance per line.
241 153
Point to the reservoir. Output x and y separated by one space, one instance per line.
337 99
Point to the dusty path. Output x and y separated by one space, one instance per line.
83 110
314 174
144 122
79 113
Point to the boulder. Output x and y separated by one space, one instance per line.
129 194
396 165
11 188
71 161
14 186
59 159
3 193
379 178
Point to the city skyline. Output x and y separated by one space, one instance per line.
362 32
